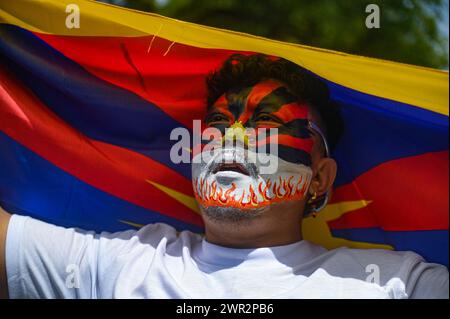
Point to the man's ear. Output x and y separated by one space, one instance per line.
324 171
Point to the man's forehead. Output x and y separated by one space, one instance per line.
263 87
267 96
266 93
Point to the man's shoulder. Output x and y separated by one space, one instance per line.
384 256
389 261
382 264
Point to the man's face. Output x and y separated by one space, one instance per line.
234 181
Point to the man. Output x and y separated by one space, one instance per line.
253 246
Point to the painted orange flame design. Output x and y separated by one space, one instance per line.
282 190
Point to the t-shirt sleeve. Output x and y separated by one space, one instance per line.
47 261
430 281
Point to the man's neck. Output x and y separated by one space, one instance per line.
272 229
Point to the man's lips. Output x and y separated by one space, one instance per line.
232 161
234 167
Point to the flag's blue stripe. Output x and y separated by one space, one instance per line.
430 244
98 109
379 130
387 107
32 186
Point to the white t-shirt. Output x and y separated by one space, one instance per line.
47 261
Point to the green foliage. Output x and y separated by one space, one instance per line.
410 30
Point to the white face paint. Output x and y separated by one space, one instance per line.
232 178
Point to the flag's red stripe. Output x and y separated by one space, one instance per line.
110 168
131 63
413 197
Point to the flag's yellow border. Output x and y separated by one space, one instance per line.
418 86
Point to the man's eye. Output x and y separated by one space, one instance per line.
267 118
217 118
264 118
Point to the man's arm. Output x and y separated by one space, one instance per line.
4 222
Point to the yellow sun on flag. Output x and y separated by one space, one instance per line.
316 230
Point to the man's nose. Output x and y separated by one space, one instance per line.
236 135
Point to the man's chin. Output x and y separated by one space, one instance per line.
226 214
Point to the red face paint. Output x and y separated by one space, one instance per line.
268 104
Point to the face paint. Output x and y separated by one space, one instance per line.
233 176
232 180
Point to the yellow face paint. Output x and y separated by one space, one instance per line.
236 132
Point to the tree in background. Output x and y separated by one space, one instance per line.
411 31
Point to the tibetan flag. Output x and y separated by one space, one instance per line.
87 108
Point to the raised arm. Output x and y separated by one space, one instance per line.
4 221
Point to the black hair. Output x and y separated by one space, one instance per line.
240 71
